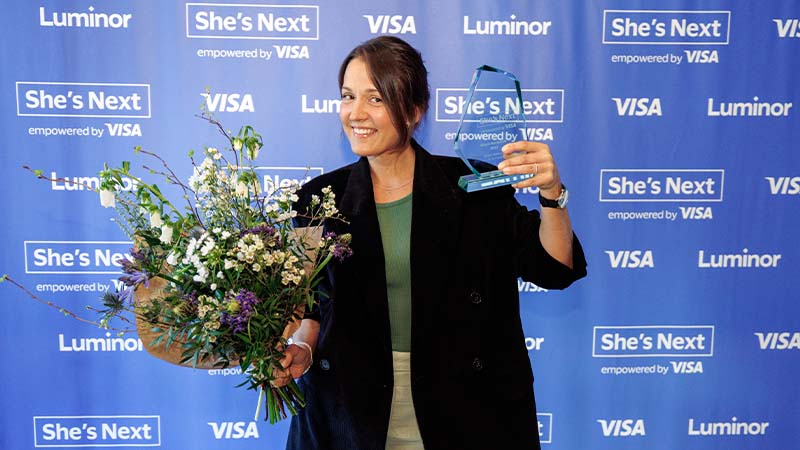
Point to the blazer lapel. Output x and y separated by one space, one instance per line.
358 206
435 234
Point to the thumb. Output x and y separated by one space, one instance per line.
289 355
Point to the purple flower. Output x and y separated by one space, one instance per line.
126 295
267 230
238 310
341 246
134 276
341 251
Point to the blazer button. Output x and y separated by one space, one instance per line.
324 364
477 364
476 298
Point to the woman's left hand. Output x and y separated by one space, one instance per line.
532 158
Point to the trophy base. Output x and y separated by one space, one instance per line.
488 180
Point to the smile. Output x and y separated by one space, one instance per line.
363 132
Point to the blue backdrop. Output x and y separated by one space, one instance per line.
673 124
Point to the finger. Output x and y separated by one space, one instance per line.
524 146
531 166
538 180
533 169
279 382
289 356
543 159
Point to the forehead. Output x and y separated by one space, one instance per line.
357 76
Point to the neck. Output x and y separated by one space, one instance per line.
392 169
392 174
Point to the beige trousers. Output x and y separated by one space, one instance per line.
403 429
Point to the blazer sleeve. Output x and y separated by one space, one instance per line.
533 262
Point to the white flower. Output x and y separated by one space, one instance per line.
155 220
241 189
213 286
257 187
172 258
237 144
207 247
166 234
107 198
252 152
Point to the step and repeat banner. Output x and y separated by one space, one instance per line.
675 125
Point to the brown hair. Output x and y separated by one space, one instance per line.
397 71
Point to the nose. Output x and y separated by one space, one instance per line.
357 110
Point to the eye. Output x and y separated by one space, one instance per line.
346 96
375 100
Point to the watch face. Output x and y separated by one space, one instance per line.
562 199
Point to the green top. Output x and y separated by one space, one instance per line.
395 224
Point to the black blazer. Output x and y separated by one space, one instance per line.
471 378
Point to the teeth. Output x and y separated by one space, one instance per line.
362 131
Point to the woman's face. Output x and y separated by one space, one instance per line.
365 118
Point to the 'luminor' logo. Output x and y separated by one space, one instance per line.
732 428
319 106
742 260
106 344
754 108
88 19
510 27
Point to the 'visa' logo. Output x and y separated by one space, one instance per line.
123 129
701 56
386 24
784 185
696 212
788 28
687 366
638 106
537 134
229 102
622 427
630 259
234 430
292 51
778 341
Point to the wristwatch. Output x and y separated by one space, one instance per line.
560 202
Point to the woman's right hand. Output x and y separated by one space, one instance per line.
294 364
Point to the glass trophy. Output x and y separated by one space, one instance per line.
491 117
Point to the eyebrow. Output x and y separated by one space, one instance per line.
368 91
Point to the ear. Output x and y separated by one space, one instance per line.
417 116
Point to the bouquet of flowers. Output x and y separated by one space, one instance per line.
224 278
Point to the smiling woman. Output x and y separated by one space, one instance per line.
418 335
